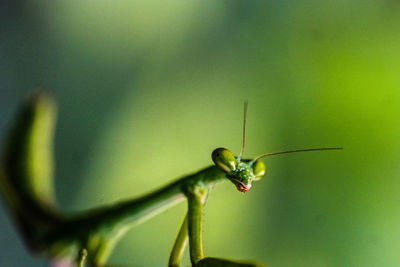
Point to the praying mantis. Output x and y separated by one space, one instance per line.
89 237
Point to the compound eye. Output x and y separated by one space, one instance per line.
224 159
259 169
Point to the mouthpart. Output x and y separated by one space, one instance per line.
241 187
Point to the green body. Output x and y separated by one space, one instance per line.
99 229
27 186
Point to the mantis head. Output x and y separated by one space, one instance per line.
242 173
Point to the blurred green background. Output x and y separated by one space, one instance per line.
147 90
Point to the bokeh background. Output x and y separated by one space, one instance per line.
147 89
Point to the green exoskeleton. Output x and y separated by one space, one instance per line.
88 238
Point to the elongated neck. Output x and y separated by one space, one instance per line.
140 209
136 210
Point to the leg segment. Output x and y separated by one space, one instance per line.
81 257
196 200
180 245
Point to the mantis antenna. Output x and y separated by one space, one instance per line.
293 151
273 153
244 129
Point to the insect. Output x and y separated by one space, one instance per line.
89 237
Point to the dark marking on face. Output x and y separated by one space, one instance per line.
241 187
